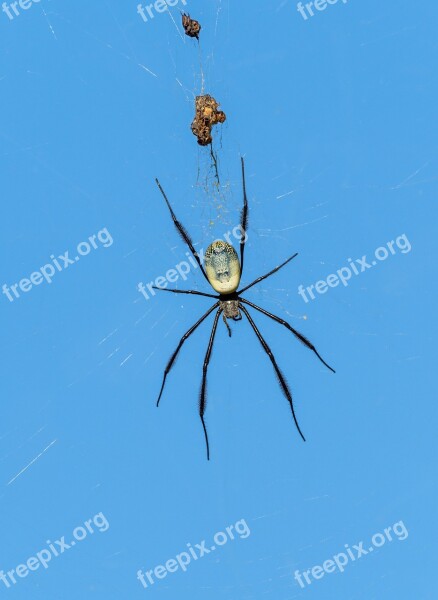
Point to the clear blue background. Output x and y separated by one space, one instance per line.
336 117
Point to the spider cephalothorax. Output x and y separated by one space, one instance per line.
231 309
223 271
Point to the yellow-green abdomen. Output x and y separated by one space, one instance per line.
222 267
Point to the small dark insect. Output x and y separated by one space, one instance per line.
207 115
223 272
191 27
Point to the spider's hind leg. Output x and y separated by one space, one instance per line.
296 333
281 380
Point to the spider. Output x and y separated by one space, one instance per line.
223 271
192 28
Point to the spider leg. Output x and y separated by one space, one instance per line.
181 342
296 333
243 218
185 292
214 159
268 274
282 381
226 323
203 391
182 231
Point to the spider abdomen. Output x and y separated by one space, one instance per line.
222 267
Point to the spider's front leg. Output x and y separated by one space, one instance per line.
226 323
230 310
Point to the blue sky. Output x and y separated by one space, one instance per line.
336 118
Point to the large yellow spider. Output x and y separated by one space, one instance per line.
223 272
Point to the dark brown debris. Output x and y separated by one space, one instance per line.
191 27
207 115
